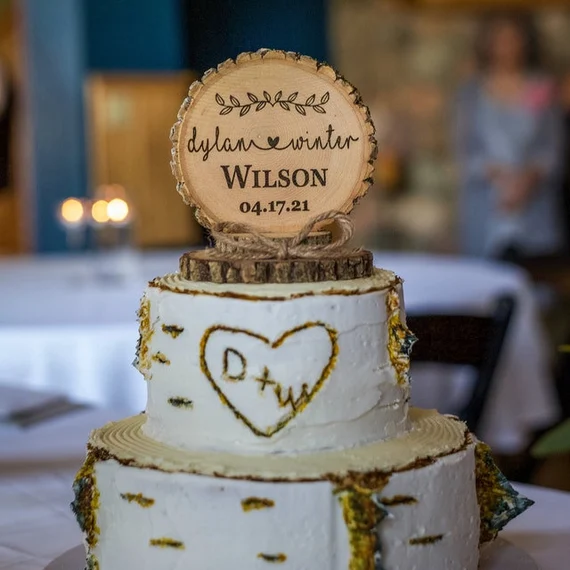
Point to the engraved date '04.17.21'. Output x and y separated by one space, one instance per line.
274 207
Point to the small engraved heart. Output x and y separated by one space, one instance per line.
267 383
272 142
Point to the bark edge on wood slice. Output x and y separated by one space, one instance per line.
207 266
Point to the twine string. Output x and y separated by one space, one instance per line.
258 246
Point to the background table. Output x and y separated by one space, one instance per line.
61 328
37 468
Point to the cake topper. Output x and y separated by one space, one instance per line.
269 148
271 140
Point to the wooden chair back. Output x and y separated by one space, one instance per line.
471 340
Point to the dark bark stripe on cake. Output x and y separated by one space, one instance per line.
398 500
400 338
207 266
179 402
143 361
256 504
86 502
161 358
173 330
138 498
166 543
363 512
423 540
277 558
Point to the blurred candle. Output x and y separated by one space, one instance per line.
118 211
72 218
71 213
99 212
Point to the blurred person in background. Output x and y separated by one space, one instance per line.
510 147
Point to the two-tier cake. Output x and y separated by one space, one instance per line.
277 429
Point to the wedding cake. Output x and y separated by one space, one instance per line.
278 429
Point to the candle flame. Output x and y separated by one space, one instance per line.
117 210
99 211
72 211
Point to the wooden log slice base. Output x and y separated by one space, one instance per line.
207 265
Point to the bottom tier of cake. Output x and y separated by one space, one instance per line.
424 501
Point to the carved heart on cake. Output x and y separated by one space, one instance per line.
265 382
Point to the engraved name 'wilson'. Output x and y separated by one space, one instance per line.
242 176
221 144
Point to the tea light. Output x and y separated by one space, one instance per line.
72 217
71 213
118 211
99 213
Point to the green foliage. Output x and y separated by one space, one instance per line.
555 442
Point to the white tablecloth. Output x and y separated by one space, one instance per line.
523 397
61 329
37 469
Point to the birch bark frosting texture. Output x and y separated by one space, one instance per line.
286 368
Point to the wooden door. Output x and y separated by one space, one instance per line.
129 121
14 185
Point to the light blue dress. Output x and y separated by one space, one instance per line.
527 134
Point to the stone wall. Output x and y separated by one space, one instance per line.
407 64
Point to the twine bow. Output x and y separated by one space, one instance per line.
259 246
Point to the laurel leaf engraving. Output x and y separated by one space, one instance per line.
284 102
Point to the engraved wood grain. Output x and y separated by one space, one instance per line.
204 265
272 139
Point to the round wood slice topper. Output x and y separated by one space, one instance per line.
271 140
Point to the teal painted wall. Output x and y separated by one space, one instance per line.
55 67
67 39
142 35
218 29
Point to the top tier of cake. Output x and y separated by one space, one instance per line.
274 368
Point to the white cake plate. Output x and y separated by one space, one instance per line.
501 555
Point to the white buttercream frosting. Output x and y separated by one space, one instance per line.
292 398
272 368
205 519
431 435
